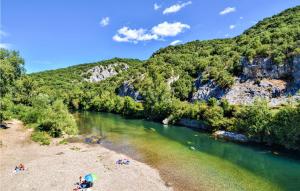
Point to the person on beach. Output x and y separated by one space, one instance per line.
21 167
17 169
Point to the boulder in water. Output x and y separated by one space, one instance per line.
230 136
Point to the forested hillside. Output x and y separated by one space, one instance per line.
161 87
276 37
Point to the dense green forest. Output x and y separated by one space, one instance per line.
52 93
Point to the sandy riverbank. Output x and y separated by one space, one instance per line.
57 167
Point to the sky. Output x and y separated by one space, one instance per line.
52 34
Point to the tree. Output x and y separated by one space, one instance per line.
11 68
255 119
131 108
286 127
25 90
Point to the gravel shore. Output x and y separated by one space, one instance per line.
58 167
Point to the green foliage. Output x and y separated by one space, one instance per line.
41 137
25 90
57 120
63 142
5 108
11 68
131 108
182 87
53 118
286 127
255 119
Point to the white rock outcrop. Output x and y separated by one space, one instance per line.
127 89
261 78
99 73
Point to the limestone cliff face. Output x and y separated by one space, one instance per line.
206 90
261 78
275 91
296 69
127 89
99 73
265 68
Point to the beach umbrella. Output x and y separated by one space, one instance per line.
90 177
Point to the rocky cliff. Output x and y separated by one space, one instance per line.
261 78
127 89
265 68
99 73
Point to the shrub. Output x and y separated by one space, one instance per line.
286 127
255 119
41 137
5 108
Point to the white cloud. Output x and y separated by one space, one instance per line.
169 29
176 7
232 26
104 21
227 10
126 34
5 45
175 42
241 18
156 6
157 32
227 35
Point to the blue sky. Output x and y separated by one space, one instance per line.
57 33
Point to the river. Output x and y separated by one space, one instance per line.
191 160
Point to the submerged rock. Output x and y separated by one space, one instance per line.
93 140
192 123
192 148
230 136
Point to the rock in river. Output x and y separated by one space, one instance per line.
231 136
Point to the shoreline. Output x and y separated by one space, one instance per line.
58 167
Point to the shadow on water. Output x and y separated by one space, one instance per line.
148 139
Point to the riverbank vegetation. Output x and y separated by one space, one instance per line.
42 99
19 99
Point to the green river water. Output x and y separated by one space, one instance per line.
211 165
